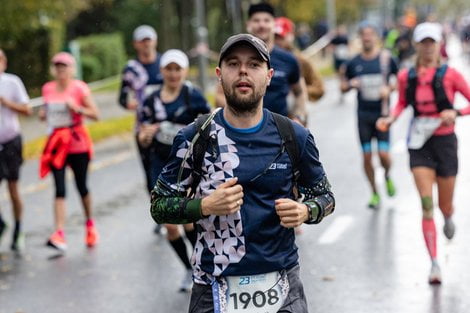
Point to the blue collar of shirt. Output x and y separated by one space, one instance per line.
249 130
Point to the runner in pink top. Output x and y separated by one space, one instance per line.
60 115
426 106
66 102
430 89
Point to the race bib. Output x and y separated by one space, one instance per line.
263 293
422 128
149 89
58 115
342 52
370 86
167 132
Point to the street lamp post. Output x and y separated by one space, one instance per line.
202 46
234 8
331 14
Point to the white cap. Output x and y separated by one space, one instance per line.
145 32
428 30
174 56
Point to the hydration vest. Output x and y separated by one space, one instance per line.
440 97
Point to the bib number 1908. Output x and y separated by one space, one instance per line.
262 293
258 298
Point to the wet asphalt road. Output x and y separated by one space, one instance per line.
357 260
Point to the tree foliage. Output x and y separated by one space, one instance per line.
27 15
312 11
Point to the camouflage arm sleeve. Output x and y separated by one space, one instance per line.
169 206
123 93
320 200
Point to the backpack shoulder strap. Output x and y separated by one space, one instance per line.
199 146
187 89
441 71
412 83
440 95
289 142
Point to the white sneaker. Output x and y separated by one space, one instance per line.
187 282
449 228
435 274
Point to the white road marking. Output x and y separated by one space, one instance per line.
335 229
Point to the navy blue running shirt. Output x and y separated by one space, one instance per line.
251 241
182 110
286 73
371 79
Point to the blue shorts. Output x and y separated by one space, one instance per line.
368 131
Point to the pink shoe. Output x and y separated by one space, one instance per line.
92 236
57 241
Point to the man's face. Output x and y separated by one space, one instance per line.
368 38
261 25
146 45
244 77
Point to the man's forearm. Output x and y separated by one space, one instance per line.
123 95
22 108
171 207
300 102
320 199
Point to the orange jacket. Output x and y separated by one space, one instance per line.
57 147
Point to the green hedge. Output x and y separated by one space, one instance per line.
29 58
101 56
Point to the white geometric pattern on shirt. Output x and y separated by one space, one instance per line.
137 77
222 236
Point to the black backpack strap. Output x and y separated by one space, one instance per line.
289 142
411 89
199 146
440 96
186 94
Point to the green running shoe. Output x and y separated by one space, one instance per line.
391 191
374 202
18 243
3 228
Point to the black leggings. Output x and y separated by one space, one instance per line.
79 164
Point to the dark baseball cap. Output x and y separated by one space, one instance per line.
251 40
261 7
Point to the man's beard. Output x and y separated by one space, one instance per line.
242 105
368 47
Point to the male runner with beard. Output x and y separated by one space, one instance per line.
244 207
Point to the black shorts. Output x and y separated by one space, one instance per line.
338 63
438 153
368 130
11 158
